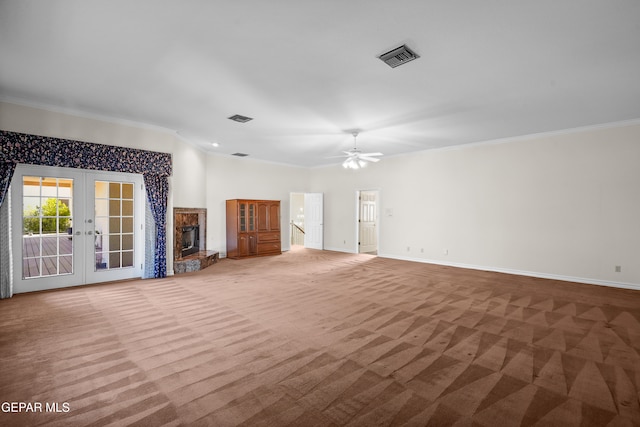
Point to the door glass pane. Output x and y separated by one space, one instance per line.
114 190
102 190
127 225
114 242
127 207
114 216
47 240
114 260
127 191
114 225
127 242
102 208
127 259
114 208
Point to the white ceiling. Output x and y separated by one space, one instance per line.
307 71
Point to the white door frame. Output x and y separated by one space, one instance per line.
83 229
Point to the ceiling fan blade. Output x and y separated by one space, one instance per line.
369 159
370 154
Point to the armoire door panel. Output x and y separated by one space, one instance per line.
274 216
263 217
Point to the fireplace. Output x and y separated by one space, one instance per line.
190 239
190 225
189 243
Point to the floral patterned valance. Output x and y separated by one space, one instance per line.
42 150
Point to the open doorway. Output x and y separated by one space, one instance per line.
296 218
306 220
368 221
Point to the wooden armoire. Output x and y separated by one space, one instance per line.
253 228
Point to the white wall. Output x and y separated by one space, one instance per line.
564 205
245 178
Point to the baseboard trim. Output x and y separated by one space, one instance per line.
588 281
344 250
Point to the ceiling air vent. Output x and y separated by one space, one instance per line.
240 119
240 154
398 56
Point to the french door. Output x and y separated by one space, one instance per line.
73 227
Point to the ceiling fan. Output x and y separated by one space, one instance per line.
356 159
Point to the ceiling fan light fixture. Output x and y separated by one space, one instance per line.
356 159
353 163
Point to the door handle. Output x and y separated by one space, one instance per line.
89 233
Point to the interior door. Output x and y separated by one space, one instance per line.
313 221
367 222
65 233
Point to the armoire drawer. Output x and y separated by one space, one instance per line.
267 248
269 237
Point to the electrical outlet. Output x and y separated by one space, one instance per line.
408 248
618 268
446 251
422 250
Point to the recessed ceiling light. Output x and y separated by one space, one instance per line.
215 144
240 118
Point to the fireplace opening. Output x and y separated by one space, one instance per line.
190 239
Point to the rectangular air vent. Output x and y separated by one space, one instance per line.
398 56
240 154
240 119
